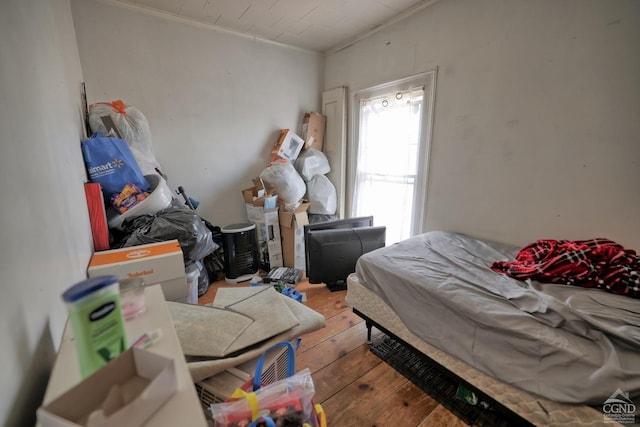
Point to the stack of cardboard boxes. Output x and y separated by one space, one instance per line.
281 232
262 210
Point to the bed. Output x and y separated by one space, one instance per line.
552 354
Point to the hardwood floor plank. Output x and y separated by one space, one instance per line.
408 406
334 377
332 349
331 307
355 387
334 325
441 416
360 399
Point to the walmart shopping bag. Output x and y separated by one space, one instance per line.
110 163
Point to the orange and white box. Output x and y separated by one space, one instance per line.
288 146
160 262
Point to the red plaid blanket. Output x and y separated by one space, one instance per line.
596 263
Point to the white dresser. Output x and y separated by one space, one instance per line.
183 409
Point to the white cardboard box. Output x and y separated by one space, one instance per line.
183 409
126 391
257 199
288 146
161 262
268 235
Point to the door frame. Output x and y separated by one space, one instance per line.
334 107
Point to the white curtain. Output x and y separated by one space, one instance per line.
387 160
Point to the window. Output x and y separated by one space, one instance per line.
392 130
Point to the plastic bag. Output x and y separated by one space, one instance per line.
318 218
132 126
110 163
130 196
284 402
289 399
322 196
312 162
286 181
203 277
172 223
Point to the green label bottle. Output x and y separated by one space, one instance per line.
96 318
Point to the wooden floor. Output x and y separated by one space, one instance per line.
354 386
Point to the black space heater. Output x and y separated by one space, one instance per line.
240 252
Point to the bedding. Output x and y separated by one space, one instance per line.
535 410
595 263
567 344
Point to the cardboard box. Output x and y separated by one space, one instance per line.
258 202
268 236
313 125
161 262
288 145
259 196
126 391
292 231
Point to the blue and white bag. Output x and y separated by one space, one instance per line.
110 163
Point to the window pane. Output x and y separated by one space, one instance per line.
387 162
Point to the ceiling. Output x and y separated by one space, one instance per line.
318 25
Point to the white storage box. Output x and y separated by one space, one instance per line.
125 392
257 200
161 262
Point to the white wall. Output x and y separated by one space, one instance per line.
536 130
214 101
537 113
44 226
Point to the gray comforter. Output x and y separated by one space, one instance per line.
565 343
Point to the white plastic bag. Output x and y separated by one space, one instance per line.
322 196
133 128
312 162
286 181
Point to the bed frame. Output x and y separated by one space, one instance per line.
510 417
513 403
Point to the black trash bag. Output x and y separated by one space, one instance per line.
203 279
172 223
216 232
214 262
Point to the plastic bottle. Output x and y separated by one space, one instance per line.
96 318
132 299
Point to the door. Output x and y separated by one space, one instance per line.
334 107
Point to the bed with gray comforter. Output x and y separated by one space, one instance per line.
566 343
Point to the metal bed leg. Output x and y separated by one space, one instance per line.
369 325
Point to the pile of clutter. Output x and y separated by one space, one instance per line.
292 191
129 200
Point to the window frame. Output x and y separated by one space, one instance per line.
428 81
